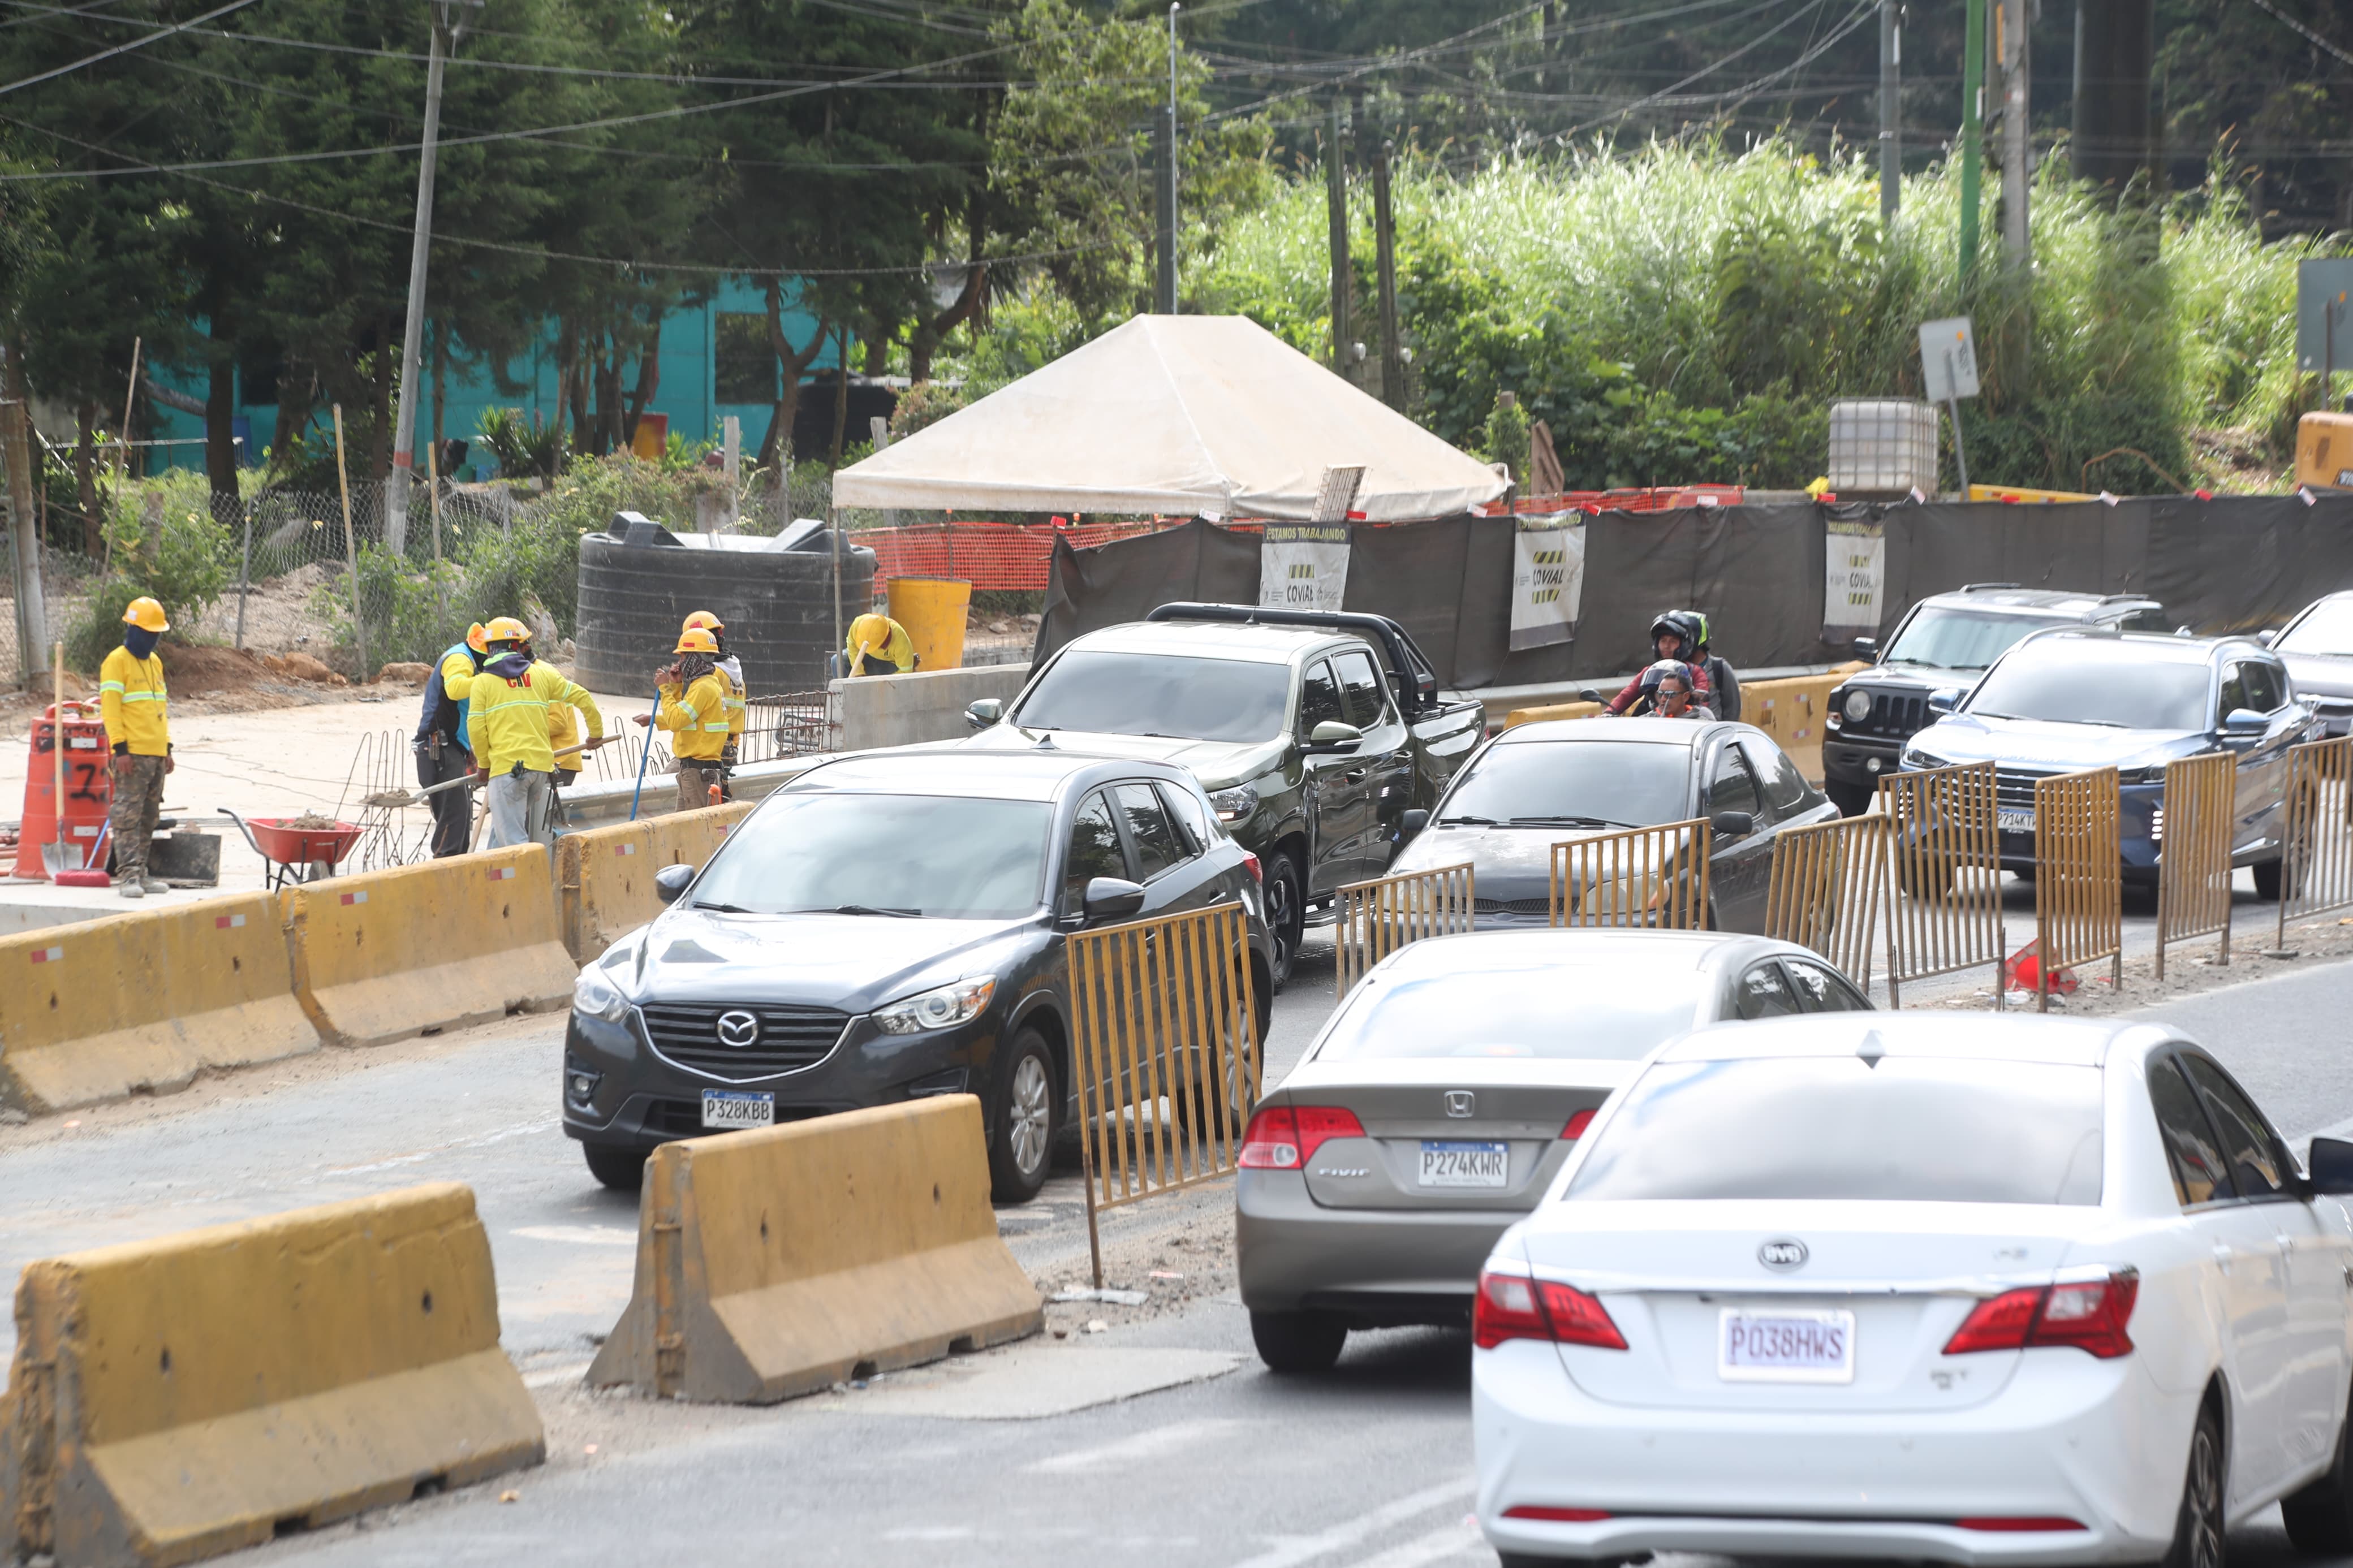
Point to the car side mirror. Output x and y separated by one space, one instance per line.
1112 899
2332 1167
1945 701
670 881
1334 736
1413 822
1867 650
2266 638
982 712
2245 721
1733 824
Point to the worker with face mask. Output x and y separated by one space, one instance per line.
131 699
693 707
732 669
507 726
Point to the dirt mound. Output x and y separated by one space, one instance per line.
192 669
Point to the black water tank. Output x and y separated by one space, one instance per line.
777 605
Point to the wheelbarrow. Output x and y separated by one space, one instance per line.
295 854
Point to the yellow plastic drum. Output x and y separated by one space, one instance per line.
932 610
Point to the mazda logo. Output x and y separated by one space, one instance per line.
739 1029
1460 1103
1782 1254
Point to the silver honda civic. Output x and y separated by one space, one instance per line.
1442 1096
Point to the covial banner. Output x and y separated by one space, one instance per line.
1304 566
1547 580
1854 581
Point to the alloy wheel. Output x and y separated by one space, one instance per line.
1030 1114
2205 1500
1284 917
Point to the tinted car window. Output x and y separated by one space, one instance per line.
1543 1010
2234 695
1961 639
1189 816
1156 847
2147 621
2249 1151
942 856
1764 993
1628 783
1094 850
1139 693
2266 692
2200 1176
1819 991
2094 680
1361 684
1911 1129
1785 786
1319 699
1732 787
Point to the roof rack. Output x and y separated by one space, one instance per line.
1984 587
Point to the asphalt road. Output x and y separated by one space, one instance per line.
1026 1454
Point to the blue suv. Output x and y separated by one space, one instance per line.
2078 698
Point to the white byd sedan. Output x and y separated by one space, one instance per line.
1961 1290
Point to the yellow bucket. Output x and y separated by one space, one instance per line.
932 610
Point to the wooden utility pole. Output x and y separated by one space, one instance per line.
1336 201
24 538
1384 251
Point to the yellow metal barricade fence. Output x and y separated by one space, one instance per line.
2193 832
1825 890
1377 917
2318 834
1944 875
2079 911
1654 877
1163 1017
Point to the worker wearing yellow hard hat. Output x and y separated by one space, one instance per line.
877 645
732 669
693 709
131 699
508 727
440 742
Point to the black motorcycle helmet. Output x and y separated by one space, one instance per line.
1673 623
1695 633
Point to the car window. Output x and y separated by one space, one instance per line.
1157 847
2234 691
1764 993
2266 692
1094 850
2097 680
1157 694
1361 684
1319 699
1819 991
2200 1176
1785 786
2249 1148
1732 787
2147 621
1189 816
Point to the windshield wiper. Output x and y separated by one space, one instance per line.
725 909
1923 663
872 910
1468 822
1567 822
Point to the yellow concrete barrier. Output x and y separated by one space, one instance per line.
416 949
177 1398
1519 716
605 875
1792 711
781 1261
145 1002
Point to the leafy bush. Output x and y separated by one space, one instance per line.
178 556
525 448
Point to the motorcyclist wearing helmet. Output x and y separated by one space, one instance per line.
1671 694
1724 686
1674 636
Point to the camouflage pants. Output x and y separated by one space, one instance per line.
138 801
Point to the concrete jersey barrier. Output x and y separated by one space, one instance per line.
781 1261
417 949
605 875
176 1398
145 1002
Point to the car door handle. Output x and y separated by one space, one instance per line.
2222 1256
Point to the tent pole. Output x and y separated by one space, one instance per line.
833 518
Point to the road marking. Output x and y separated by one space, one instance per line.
1289 1551
549 1376
479 1141
578 1235
1149 1444
1454 1540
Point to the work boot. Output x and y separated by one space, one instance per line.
129 889
155 884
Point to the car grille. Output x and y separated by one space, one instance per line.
1893 715
790 1038
1540 908
2013 789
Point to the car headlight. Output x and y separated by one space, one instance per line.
599 998
2141 776
1234 805
937 1009
1917 760
1858 706
1620 894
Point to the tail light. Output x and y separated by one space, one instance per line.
2089 1314
1257 871
1284 1137
1514 1307
1576 1126
1557 1515
2023 1526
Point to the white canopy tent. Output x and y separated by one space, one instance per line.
1211 416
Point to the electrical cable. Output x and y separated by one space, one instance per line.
121 48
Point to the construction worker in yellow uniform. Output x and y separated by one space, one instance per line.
130 699
441 743
563 735
877 645
508 729
693 709
732 669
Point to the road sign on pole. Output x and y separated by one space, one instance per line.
2324 312
1948 366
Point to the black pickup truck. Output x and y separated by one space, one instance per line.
1314 733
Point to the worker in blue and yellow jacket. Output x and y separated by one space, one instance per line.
138 734
693 709
441 743
507 727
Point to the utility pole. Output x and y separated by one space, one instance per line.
1166 291
25 543
449 24
1335 195
1384 257
2017 152
1891 113
1972 122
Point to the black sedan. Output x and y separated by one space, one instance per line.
887 927
1536 785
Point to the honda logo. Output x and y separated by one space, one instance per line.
1782 1254
1460 1103
739 1029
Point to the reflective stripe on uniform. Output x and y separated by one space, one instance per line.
141 696
110 686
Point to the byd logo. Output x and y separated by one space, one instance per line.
1782 1254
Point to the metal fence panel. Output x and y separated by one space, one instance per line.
2193 832
1943 886
1379 917
2318 874
2079 911
1653 876
1166 1050
1825 890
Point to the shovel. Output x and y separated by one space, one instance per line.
390 798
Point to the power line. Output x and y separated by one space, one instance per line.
121 49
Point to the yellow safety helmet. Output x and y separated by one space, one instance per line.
694 639
703 621
506 628
871 630
476 639
147 615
